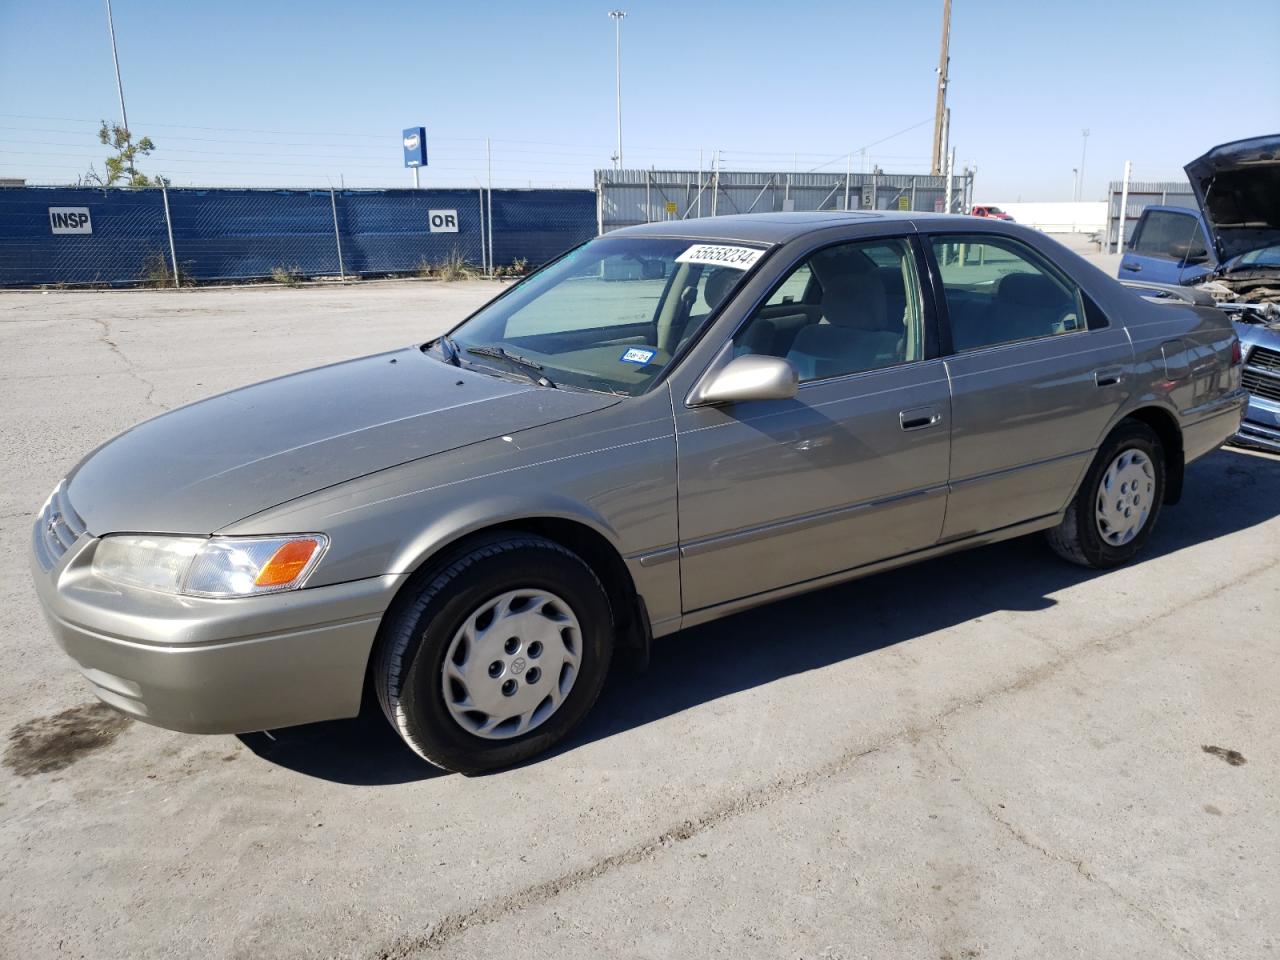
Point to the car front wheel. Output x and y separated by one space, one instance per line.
494 655
1112 515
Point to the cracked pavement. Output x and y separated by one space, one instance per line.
991 755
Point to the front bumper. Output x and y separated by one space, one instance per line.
214 666
1261 425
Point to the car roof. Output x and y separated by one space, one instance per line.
768 228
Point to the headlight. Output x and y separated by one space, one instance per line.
214 567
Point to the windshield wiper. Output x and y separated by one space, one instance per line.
532 367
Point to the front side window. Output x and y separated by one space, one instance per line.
1169 235
608 316
845 309
999 291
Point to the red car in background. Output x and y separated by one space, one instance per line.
995 213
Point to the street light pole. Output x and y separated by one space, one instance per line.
617 16
111 28
1084 146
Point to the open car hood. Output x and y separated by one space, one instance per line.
1238 188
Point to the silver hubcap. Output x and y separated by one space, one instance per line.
512 663
1125 497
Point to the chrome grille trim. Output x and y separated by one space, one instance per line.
1260 386
1264 359
57 528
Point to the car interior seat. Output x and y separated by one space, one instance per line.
1027 305
857 331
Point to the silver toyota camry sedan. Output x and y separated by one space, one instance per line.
666 425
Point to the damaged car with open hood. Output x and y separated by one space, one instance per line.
1226 254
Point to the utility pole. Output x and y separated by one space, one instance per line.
939 110
1084 146
617 16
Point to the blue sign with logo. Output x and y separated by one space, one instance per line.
415 147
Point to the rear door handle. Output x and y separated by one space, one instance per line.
1108 377
1134 267
919 418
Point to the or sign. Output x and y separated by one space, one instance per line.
70 220
443 221
415 147
671 206
720 255
904 202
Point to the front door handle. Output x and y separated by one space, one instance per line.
1108 376
919 418
1134 267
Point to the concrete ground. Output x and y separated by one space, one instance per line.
993 755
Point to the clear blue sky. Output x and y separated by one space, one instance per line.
291 93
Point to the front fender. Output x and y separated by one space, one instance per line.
613 472
499 510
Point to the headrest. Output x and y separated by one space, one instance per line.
855 300
718 285
891 277
1029 289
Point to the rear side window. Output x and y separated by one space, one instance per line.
999 291
1169 235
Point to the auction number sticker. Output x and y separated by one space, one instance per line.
719 255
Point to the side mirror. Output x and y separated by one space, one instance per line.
750 377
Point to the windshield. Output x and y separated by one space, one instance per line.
1266 257
608 316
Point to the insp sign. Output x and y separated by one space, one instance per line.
70 220
443 221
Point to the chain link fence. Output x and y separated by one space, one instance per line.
630 197
130 236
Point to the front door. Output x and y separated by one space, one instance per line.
1169 247
850 471
1036 376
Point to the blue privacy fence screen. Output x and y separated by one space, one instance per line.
229 234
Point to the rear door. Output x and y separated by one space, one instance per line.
1036 375
1168 246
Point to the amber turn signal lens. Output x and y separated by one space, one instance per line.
286 563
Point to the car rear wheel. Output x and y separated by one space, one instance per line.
495 654
1115 510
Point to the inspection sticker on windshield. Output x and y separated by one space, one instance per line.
638 355
718 255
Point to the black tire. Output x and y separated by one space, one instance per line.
416 633
1077 537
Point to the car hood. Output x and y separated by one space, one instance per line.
1238 188
199 468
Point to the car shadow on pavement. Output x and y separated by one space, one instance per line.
363 751
1228 491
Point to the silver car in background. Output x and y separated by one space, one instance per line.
668 424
